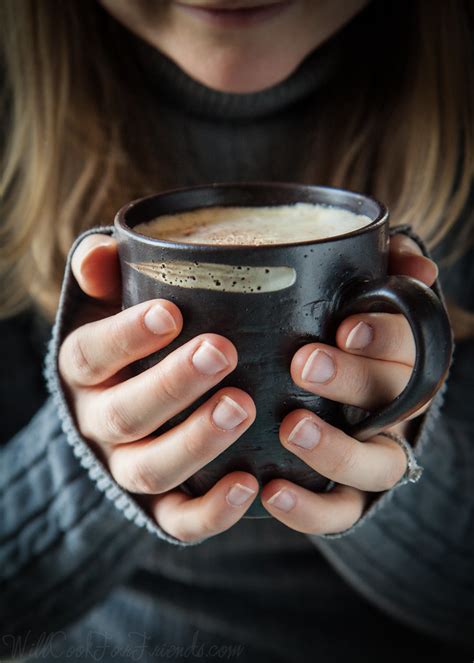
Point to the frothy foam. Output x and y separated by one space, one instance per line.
254 225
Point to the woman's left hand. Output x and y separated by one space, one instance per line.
371 365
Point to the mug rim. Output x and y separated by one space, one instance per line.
120 221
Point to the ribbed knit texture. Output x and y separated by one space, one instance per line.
78 554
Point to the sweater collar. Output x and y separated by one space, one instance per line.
180 90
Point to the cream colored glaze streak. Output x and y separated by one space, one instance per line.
213 276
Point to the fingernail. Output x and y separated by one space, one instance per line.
435 269
159 321
319 367
239 494
88 245
360 336
208 360
228 414
407 245
284 499
305 434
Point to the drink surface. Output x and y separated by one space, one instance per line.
279 224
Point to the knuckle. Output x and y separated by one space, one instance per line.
195 446
75 355
320 524
183 534
348 520
362 380
168 384
396 336
120 340
141 480
117 425
350 509
212 522
358 380
394 469
342 462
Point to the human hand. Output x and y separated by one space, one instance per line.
371 365
117 411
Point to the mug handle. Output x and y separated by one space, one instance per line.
430 326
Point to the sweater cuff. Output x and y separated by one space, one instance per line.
377 501
421 441
70 297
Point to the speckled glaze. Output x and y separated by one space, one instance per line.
333 278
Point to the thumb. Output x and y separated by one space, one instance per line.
96 268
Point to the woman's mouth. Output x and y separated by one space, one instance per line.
236 17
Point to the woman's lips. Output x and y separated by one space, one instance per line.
236 18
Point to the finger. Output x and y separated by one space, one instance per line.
406 257
339 376
156 465
375 465
138 406
191 519
98 350
96 268
313 513
384 336
403 426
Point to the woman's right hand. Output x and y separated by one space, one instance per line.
117 411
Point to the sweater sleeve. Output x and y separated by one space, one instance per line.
68 532
413 556
412 551
63 545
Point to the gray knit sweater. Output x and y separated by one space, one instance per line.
86 574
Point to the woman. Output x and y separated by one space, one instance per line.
106 102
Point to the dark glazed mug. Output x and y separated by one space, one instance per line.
269 300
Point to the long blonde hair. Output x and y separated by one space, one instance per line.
397 124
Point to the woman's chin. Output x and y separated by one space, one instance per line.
240 75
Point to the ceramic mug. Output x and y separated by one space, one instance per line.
269 300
